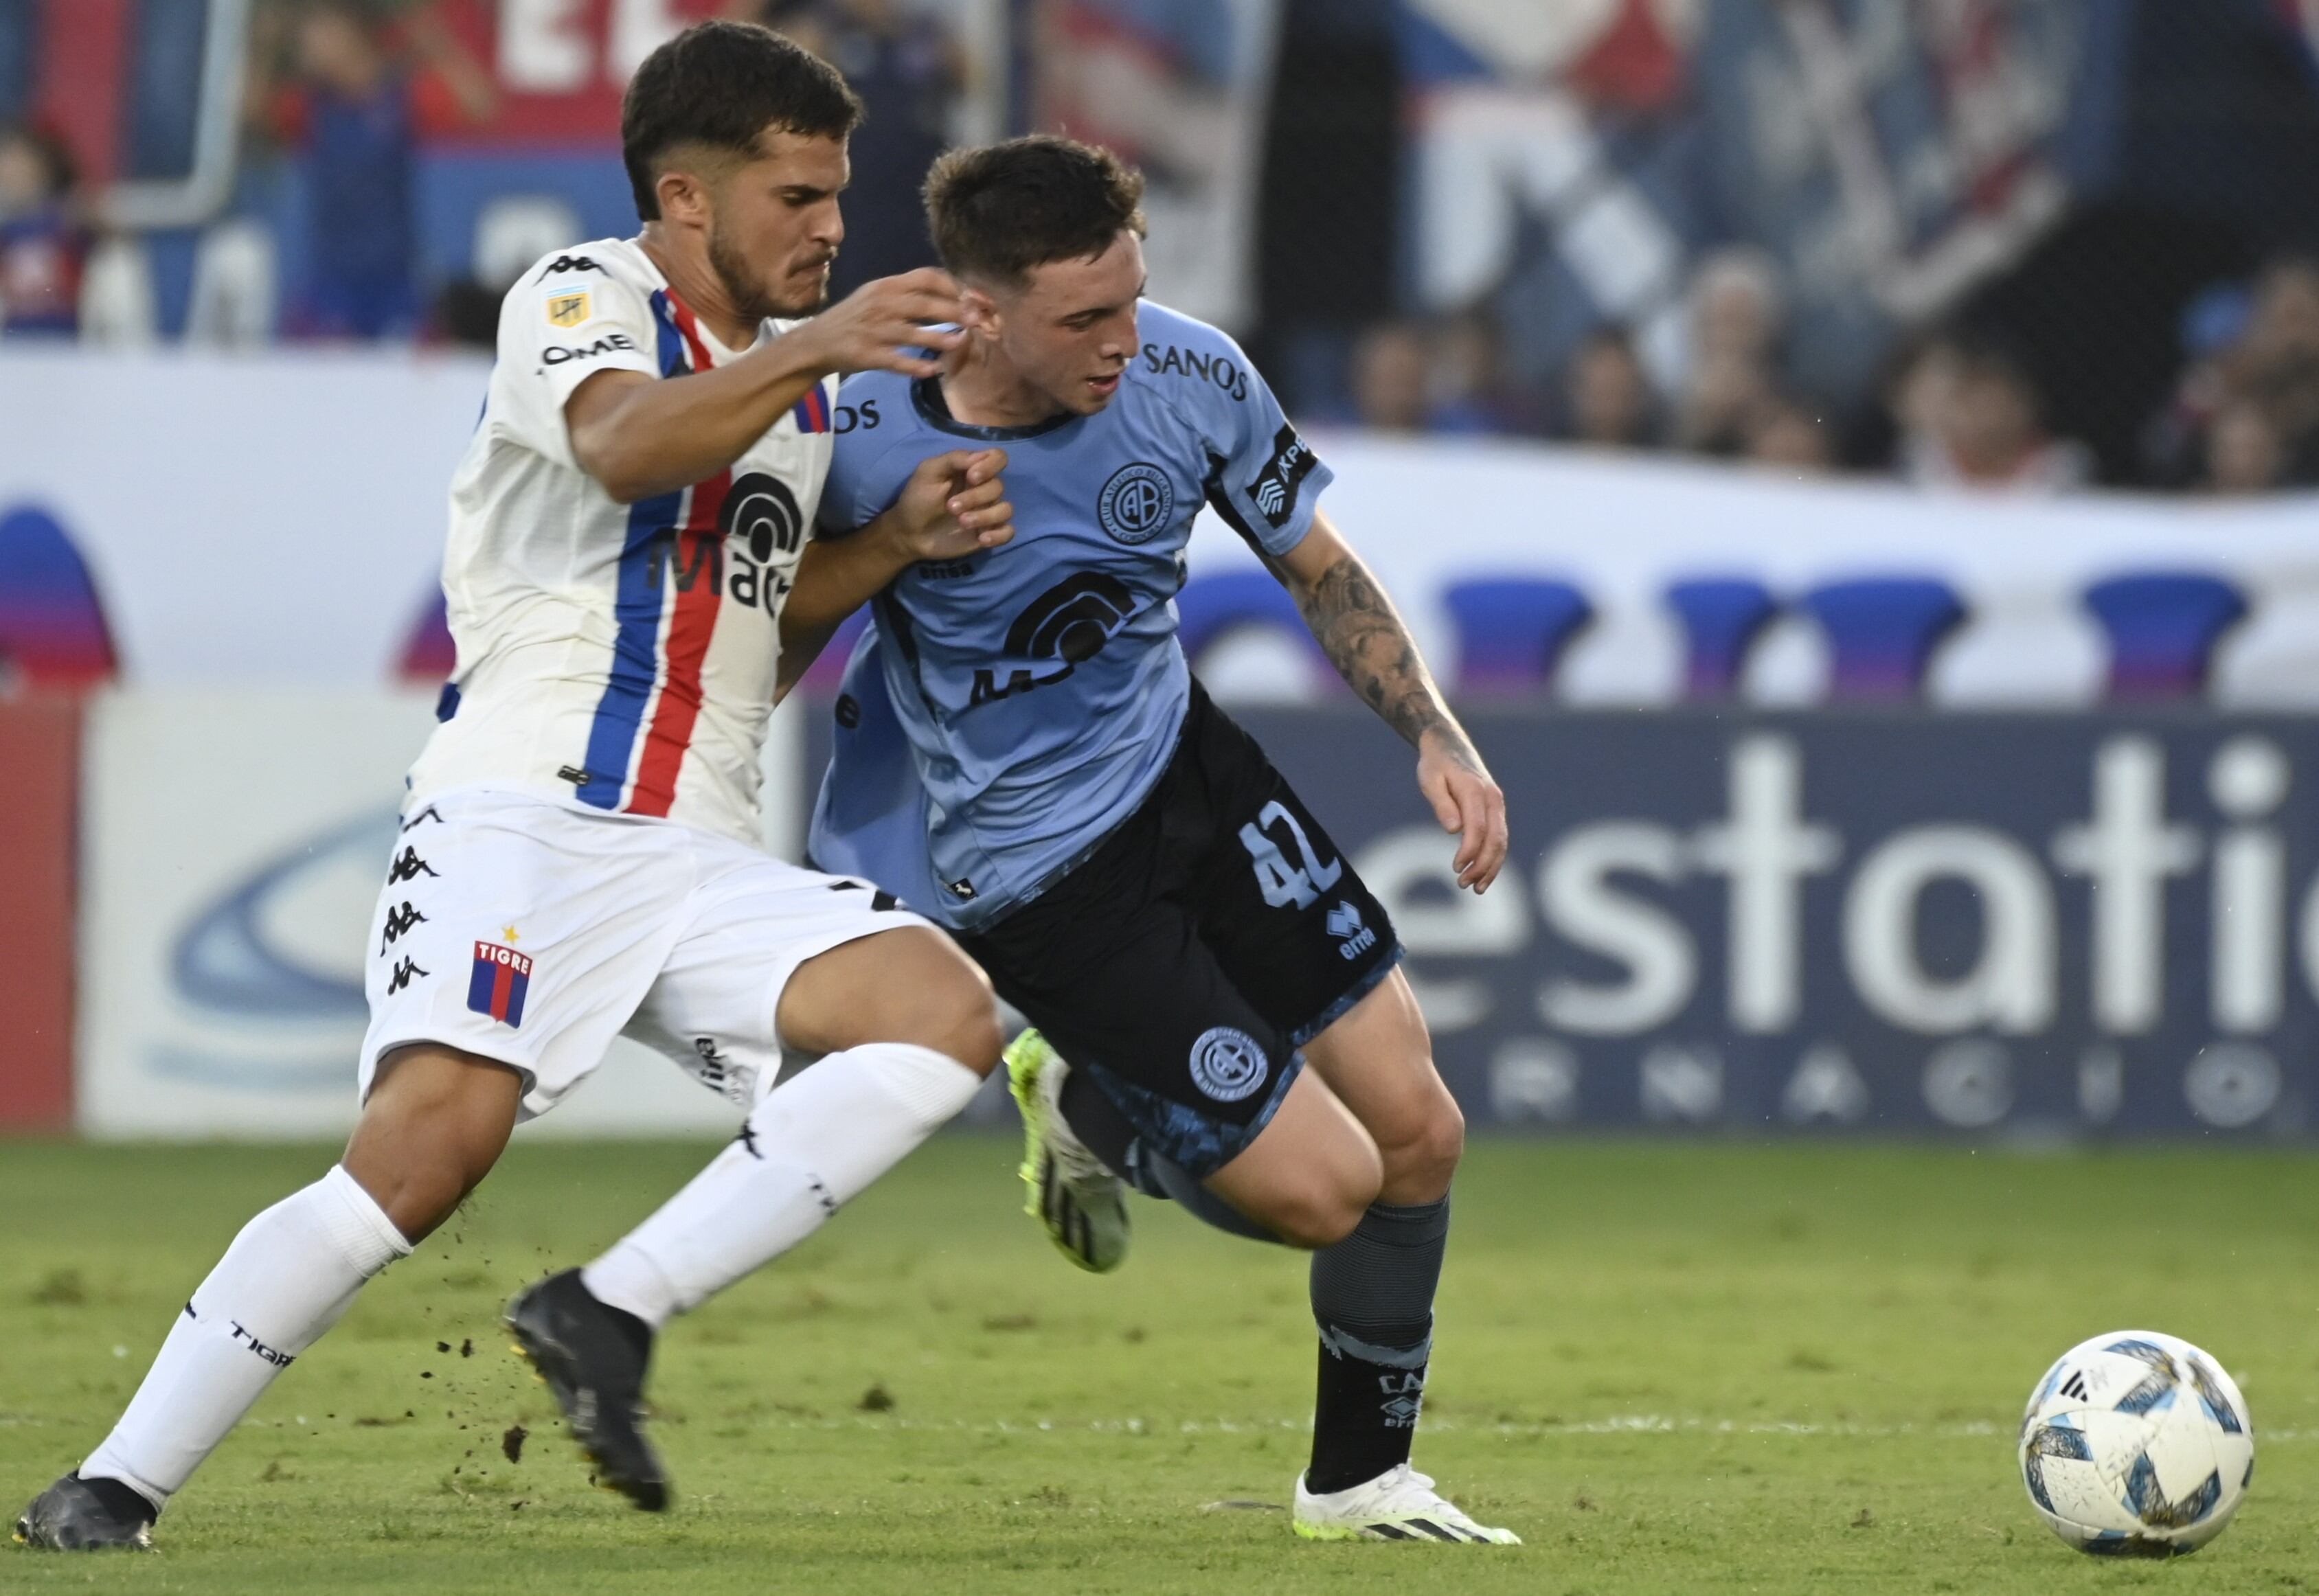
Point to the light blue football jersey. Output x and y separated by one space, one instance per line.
1006 711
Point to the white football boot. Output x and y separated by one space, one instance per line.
1080 1201
1399 1504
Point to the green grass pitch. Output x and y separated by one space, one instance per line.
1672 1367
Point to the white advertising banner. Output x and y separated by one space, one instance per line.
272 517
232 846
278 518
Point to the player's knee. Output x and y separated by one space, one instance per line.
1430 1158
1420 1144
973 1035
955 1013
1326 1207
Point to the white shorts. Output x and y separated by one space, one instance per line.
527 932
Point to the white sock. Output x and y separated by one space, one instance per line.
812 1145
286 1279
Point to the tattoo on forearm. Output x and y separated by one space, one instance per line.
1364 638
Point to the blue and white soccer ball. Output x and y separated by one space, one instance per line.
2137 1444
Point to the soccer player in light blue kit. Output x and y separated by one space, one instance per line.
1022 753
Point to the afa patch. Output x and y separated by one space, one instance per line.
569 309
500 980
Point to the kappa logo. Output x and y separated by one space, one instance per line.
569 263
399 923
1228 1065
1274 490
1353 938
1136 504
408 867
404 971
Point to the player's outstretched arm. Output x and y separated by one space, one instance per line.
638 437
1364 638
953 505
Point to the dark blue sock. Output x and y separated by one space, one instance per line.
1373 1300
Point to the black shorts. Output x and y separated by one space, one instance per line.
1183 963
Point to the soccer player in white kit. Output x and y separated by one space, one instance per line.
579 849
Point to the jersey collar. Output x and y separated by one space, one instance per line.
926 394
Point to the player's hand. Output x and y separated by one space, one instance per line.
1468 805
952 506
884 325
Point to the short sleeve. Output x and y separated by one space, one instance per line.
1262 477
567 320
860 444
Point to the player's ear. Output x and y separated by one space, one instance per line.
683 199
978 312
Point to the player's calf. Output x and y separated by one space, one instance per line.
436 1122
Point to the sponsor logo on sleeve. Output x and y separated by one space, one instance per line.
1274 490
569 308
558 354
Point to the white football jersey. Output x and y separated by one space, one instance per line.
620 655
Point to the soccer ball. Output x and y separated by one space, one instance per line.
2137 1445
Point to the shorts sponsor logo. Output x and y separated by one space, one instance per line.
569 309
1136 503
498 983
736 1083
1227 1064
1353 938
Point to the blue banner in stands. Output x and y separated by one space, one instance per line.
2036 925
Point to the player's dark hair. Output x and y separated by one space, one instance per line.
721 86
1000 210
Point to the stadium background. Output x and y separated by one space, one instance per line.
1853 461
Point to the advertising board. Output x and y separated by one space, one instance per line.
233 848
2029 924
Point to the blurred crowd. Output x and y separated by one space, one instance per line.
348 91
1958 405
